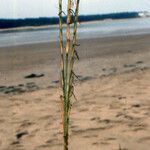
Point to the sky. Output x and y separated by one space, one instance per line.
49 8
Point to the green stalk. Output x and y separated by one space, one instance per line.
66 96
74 44
61 43
63 75
67 62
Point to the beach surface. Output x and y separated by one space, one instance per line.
112 109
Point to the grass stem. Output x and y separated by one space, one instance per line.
67 63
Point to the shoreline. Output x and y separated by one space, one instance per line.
47 27
85 31
128 35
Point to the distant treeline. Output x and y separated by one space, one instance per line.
12 23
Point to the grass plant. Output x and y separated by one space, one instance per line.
68 53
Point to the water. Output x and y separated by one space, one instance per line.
109 28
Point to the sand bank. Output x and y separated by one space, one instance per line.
113 106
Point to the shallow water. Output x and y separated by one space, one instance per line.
108 28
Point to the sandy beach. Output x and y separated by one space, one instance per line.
113 106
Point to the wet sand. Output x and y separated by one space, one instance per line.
113 106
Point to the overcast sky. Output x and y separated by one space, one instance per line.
49 8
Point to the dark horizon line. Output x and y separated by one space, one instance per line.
13 23
64 16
